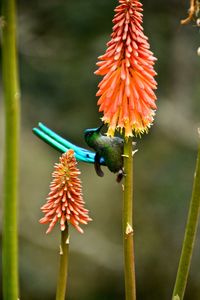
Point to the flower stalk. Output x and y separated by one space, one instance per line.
190 236
11 150
63 266
129 260
65 206
127 101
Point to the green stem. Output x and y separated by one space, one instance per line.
62 274
189 238
11 151
129 260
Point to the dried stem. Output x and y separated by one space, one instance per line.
192 12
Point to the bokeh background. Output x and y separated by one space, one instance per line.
59 42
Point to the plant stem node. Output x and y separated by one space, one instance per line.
129 230
61 250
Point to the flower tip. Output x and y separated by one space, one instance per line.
62 227
79 229
43 220
48 230
110 132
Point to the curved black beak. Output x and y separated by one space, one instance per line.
99 128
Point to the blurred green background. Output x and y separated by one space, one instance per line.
59 42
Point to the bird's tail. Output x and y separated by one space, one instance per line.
63 145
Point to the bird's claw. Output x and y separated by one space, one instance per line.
120 175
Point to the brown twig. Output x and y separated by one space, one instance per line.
192 12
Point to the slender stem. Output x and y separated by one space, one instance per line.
129 260
190 236
11 151
62 274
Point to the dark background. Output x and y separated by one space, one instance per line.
59 42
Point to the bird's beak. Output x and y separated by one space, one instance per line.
99 128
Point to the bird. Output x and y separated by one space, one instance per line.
110 149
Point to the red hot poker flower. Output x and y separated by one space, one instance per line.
126 92
65 202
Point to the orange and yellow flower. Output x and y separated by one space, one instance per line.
127 99
65 202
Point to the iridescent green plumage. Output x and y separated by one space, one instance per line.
108 148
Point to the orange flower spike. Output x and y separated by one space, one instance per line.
127 99
65 202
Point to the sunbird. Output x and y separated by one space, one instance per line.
108 150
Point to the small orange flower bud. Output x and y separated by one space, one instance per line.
65 202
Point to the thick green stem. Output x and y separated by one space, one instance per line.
129 260
189 238
11 151
62 274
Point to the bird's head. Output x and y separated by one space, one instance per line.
91 135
